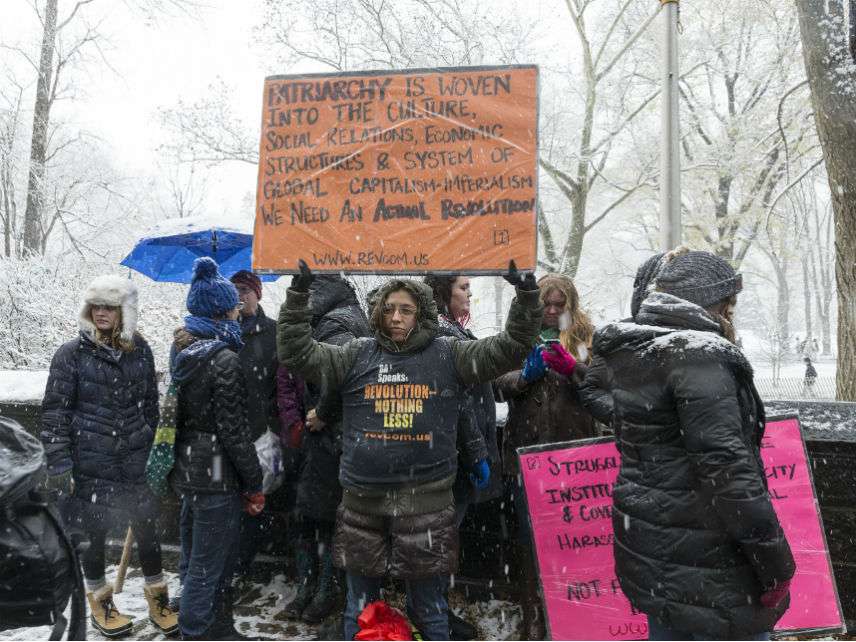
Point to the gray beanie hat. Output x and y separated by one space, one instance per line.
699 277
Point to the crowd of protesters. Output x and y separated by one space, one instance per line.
387 424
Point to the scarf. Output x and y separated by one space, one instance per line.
229 332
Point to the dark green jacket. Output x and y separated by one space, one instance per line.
474 361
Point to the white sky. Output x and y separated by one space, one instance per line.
155 66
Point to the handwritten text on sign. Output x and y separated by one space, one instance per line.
569 493
398 172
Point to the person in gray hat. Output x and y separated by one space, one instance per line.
698 547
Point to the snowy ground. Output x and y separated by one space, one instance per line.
259 613
23 385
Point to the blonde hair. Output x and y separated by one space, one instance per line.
114 337
580 330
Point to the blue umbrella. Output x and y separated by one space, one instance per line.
169 253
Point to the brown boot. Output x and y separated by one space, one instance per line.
103 613
160 614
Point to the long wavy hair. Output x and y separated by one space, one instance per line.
114 337
579 329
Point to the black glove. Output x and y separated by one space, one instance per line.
301 282
522 280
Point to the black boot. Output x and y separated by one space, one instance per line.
223 627
460 629
327 592
307 575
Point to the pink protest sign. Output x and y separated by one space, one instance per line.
569 495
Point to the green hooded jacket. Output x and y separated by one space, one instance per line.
473 362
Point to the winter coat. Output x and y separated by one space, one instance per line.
542 412
336 319
214 450
259 364
696 538
99 415
383 474
593 390
481 416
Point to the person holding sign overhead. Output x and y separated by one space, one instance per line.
402 390
698 545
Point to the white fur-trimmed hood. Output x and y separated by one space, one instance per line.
115 291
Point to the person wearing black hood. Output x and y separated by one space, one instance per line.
336 319
216 470
698 545
261 369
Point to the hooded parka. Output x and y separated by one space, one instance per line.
400 411
696 538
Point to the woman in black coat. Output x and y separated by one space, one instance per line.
99 415
698 546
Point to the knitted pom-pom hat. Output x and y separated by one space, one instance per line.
210 294
698 277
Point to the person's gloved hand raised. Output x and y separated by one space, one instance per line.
254 503
301 282
480 477
771 598
534 368
558 359
522 280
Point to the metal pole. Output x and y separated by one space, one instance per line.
670 149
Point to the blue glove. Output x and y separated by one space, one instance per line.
534 368
480 477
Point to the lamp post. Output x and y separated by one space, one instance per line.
670 148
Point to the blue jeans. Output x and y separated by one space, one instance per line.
210 525
658 632
426 601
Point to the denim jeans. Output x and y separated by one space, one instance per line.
659 632
426 602
210 525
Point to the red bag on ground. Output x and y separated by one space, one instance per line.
379 621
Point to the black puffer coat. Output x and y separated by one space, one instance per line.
99 414
482 407
214 451
697 539
259 363
336 319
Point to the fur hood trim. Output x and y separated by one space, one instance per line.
115 291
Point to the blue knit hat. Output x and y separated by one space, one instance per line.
210 294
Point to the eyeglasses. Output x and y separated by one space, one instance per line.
403 310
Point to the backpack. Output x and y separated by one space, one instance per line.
39 569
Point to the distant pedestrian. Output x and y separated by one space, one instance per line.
809 379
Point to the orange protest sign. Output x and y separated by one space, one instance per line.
408 171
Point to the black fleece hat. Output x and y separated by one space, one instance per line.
699 277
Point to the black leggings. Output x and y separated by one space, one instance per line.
148 547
